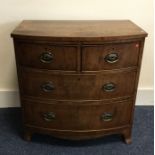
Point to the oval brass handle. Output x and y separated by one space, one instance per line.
107 117
46 57
49 116
47 87
109 87
111 58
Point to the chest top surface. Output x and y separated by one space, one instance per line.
78 30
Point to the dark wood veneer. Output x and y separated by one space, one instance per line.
32 53
83 117
78 79
93 57
77 86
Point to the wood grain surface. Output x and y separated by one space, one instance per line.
76 30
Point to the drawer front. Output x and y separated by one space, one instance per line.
93 116
109 56
47 56
77 86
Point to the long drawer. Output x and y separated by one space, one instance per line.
77 86
76 116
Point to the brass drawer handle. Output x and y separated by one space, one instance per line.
47 87
46 57
109 87
111 58
106 117
49 116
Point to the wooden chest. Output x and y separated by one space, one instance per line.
78 79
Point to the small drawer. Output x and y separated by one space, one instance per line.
47 56
91 116
109 56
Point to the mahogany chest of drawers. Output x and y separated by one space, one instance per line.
78 79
